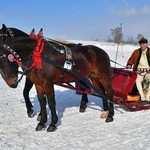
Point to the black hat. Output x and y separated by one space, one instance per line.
143 40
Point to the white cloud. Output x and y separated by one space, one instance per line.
130 11
145 10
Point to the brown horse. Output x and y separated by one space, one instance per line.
87 61
7 34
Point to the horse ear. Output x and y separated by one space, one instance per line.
4 27
32 34
33 30
40 34
41 30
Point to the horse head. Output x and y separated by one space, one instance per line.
7 34
8 68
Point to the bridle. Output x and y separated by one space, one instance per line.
2 34
14 57
10 33
2 73
4 55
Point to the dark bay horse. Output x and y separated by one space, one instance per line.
6 34
88 61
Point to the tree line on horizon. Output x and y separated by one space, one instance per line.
117 37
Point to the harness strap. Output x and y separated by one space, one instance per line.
68 53
3 35
94 90
117 63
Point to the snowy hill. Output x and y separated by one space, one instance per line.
76 131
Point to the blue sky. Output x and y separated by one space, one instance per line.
78 19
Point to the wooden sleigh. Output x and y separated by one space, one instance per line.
125 92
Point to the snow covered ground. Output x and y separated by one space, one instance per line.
76 131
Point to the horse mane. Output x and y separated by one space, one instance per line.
64 42
16 32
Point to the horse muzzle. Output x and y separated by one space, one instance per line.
12 81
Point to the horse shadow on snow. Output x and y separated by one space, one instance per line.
67 99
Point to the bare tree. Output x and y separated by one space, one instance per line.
117 35
131 40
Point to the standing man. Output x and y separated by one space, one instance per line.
140 60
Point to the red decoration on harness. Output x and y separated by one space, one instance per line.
37 58
12 58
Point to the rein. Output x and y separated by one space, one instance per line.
59 50
26 68
117 63
93 89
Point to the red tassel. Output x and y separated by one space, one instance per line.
37 54
37 59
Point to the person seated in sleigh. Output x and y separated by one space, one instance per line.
140 61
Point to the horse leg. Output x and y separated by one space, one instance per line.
103 83
109 93
49 89
111 112
105 103
42 101
83 104
27 88
84 100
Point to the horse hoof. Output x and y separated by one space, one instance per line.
31 114
39 118
82 110
109 119
51 128
40 127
